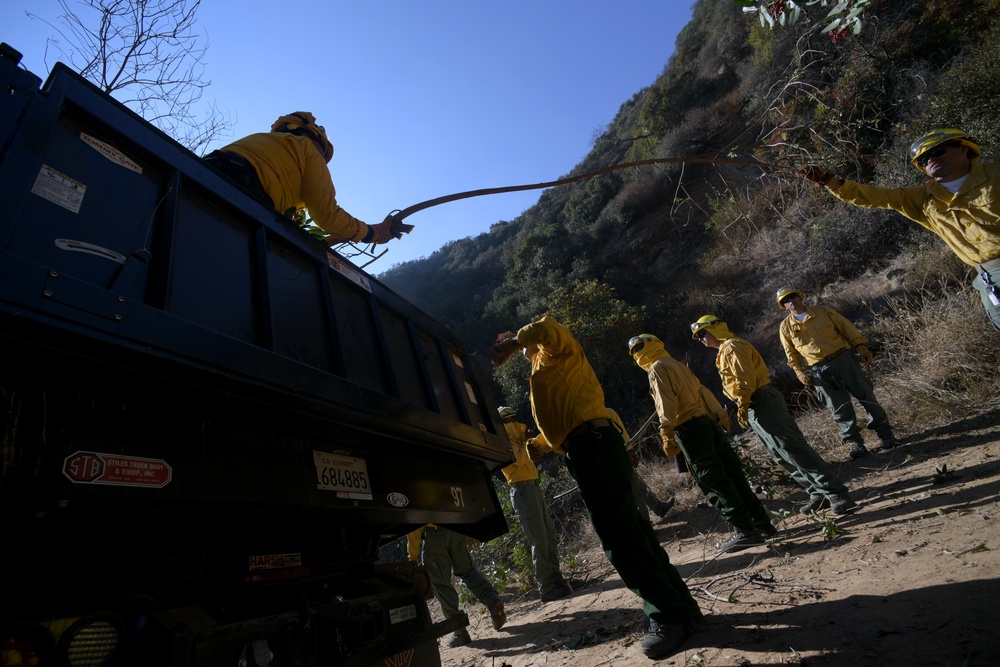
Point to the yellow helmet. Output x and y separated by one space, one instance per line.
635 343
939 136
784 292
303 123
703 323
507 414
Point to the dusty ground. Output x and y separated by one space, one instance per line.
912 579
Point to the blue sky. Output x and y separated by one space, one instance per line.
423 99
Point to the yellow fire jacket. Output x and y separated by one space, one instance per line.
523 468
677 393
564 389
822 333
968 221
741 369
295 176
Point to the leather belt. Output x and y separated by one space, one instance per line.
829 357
524 482
585 427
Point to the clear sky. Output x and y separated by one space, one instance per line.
422 99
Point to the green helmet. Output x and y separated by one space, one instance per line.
785 292
636 342
507 414
939 136
703 323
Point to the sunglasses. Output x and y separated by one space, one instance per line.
935 152
701 334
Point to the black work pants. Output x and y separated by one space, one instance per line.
598 462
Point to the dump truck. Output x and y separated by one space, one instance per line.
211 420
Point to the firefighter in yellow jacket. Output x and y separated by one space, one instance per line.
960 202
759 406
532 513
568 406
444 552
690 418
286 168
821 345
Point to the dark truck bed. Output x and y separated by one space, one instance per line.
198 395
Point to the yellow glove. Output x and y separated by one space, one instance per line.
803 377
864 354
743 416
670 447
501 352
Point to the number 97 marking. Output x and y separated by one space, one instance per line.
456 495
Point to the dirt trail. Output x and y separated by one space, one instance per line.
913 579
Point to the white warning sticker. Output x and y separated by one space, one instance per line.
355 277
59 189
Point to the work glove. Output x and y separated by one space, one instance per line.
864 354
803 377
633 456
535 453
670 447
743 416
387 230
503 351
816 174
725 422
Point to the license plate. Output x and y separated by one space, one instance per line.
347 476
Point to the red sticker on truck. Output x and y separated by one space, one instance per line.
116 470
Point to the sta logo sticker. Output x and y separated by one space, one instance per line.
397 499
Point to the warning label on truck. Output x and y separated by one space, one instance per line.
59 189
343 269
116 470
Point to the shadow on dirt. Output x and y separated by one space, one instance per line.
949 624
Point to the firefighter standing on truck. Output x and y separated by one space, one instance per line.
532 513
960 202
747 382
691 423
568 406
286 168
821 345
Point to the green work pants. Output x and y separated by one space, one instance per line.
444 552
719 474
598 462
540 533
836 380
770 420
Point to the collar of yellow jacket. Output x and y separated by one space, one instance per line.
720 330
650 353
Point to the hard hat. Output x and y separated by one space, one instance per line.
939 136
786 291
702 323
303 123
635 343
507 413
